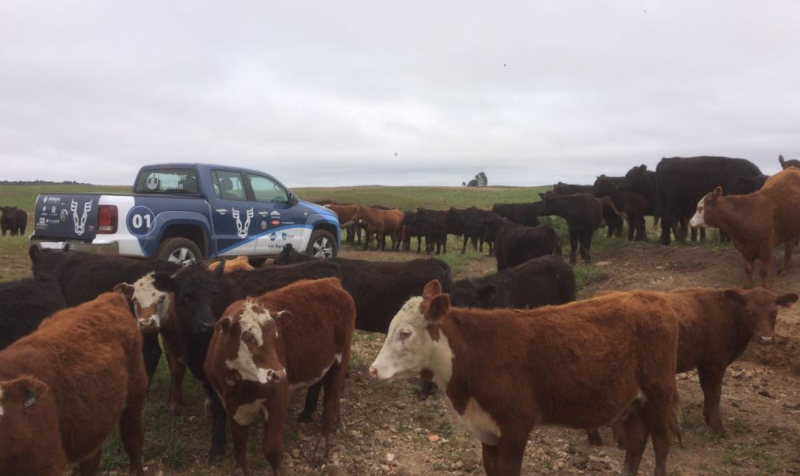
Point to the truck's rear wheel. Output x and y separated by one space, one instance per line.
322 245
179 250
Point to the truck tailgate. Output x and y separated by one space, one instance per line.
66 217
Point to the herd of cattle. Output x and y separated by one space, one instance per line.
79 342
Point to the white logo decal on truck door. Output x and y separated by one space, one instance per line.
242 230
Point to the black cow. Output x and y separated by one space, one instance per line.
683 181
785 164
409 230
515 244
611 216
633 205
546 280
583 214
519 213
432 224
642 181
26 303
379 291
14 220
469 222
201 296
84 276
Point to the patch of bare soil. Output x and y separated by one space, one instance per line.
385 430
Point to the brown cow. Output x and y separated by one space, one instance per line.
380 223
345 215
64 388
575 365
758 222
283 340
240 262
716 326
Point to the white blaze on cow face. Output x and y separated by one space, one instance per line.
150 305
251 323
698 220
410 349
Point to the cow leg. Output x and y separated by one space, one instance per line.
787 256
511 449
711 382
490 459
218 423
312 397
635 442
573 246
749 267
240 436
593 436
464 246
90 466
426 391
419 243
658 416
131 432
273 436
765 266
334 387
586 247
177 372
367 238
151 350
665 231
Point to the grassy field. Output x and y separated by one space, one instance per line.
24 196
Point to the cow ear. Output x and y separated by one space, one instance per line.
489 291
717 192
224 325
736 297
125 289
220 269
643 168
780 159
786 300
284 318
437 307
432 289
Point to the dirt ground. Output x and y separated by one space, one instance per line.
384 429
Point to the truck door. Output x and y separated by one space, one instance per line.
234 217
278 223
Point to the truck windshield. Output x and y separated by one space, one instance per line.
166 181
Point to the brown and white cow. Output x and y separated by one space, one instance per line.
66 386
155 311
265 347
577 365
758 222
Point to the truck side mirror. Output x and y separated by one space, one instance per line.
293 199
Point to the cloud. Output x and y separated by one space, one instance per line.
324 93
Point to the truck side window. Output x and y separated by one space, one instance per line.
266 190
228 185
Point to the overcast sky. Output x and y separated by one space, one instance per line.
325 93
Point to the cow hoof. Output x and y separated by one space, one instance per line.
594 439
303 418
426 391
214 458
320 455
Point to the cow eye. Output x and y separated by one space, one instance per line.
405 334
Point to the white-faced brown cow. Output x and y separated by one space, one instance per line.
264 347
758 222
577 365
65 387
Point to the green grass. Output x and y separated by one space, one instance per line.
14 262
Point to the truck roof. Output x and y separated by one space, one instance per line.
202 167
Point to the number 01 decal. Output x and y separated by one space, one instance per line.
141 220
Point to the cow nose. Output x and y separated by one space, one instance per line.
147 326
765 339
373 372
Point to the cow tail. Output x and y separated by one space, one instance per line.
677 424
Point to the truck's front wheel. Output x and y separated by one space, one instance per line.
179 250
322 245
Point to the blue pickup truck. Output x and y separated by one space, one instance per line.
185 213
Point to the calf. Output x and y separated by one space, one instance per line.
520 213
758 222
266 346
612 217
785 164
84 276
537 282
583 214
433 224
24 304
13 220
632 205
644 182
380 223
64 387
409 230
514 244
576 365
